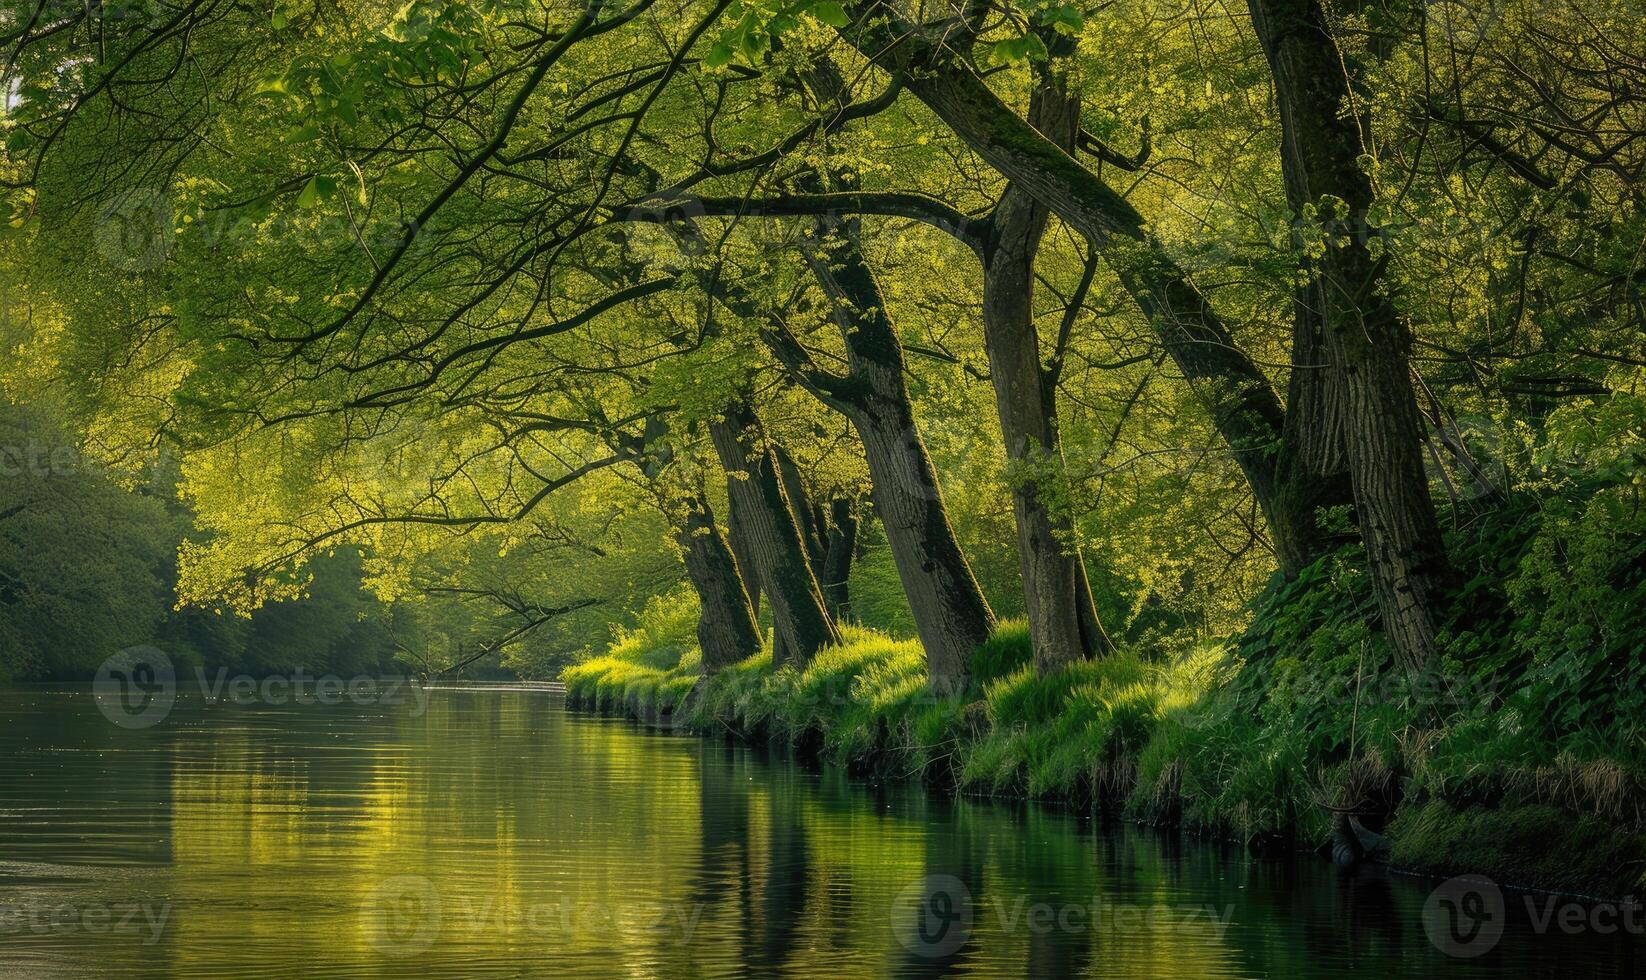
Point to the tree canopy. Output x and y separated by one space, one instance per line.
1102 314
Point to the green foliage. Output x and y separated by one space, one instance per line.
1248 738
664 631
1533 845
82 561
1005 652
876 592
650 666
86 570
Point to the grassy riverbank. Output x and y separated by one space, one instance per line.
1519 756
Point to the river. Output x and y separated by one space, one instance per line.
487 834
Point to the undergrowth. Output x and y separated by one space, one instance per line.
1524 740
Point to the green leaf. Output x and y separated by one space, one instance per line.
1064 18
831 13
274 85
303 134
719 55
1016 50
319 188
752 44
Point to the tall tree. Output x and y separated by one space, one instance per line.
1239 397
1366 344
773 537
726 630
1063 618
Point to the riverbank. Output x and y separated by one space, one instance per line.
1504 768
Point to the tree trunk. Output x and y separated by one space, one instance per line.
951 615
1055 592
950 612
1241 401
1364 338
837 557
726 630
800 503
775 545
738 538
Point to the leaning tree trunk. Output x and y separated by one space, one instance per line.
726 630
1055 592
738 539
775 546
1366 341
830 535
837 556
800 504
1235 392
950 613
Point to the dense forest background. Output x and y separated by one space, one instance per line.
88 562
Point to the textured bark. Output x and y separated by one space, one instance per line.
1092 634
1056 595
726 630
1242 403
775 546
837 556
830 535
1363 336
950 612
1311 471
738 539
806 517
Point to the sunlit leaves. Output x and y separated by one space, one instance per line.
754 24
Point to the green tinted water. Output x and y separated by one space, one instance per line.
493 834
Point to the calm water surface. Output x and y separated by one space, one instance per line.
495 835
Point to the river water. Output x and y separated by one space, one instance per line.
486 834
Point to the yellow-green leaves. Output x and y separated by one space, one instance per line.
830 13
1024 42
756 22
319 188
1016 50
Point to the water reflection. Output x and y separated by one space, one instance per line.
494 835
